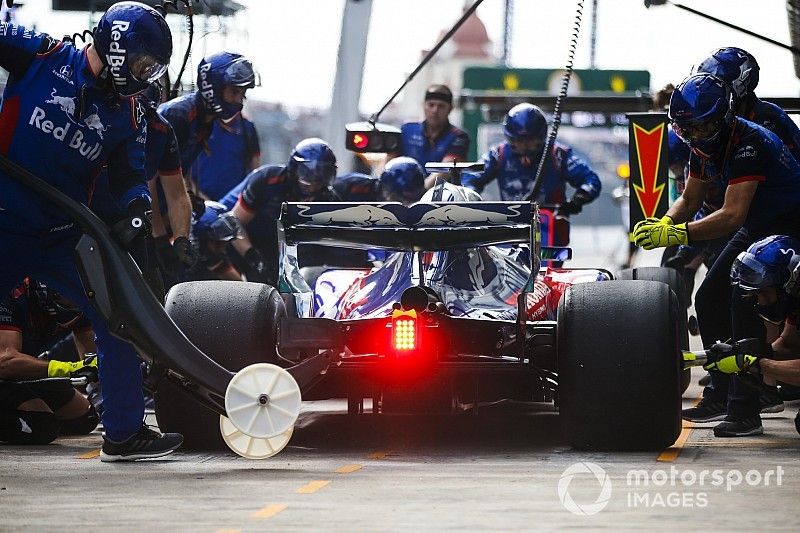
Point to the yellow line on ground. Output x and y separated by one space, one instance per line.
672 453
348 469
313 487
380 454
89 455
269 511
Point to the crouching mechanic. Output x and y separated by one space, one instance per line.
761 198
763 273
514 162
257 200
402 180
32 319
76 107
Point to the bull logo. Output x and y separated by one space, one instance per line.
67 104
93 123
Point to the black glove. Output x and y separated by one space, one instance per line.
185 252
198 204
575 205
256 266
136 225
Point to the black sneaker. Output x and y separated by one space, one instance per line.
739 428
770 400
144 444
706 411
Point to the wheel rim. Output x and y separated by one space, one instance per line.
252 447
263 401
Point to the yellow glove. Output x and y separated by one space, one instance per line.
734 363
65 369
653 233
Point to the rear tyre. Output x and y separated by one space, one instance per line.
619 365
675 281
232 322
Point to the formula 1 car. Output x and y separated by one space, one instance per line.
460 312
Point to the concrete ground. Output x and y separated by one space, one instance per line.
503 469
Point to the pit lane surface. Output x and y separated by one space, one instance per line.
498 469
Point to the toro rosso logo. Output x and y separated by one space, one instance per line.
116 53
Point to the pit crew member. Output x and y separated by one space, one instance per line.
761 197
65 113
514 162
32 319
402 180
434 139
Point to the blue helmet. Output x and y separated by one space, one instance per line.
219 70
402 180
525 121
734 66
701 112
135 44
217 224
766 263
313 166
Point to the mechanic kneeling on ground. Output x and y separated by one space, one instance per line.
32 319
513 164
762 198
768 274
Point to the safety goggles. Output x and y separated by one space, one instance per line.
240 73
697 130
145 68
226 228
748 273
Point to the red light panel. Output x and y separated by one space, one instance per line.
360 141
405 334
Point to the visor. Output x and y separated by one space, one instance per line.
697 130
748 273
404 197
315 174
145 68
240 73
526 145
226 228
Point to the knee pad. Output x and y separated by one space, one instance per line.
83 425
28 427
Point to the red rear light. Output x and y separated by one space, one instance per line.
405 337
360 140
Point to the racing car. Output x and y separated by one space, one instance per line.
462 310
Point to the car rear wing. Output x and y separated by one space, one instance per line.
418 227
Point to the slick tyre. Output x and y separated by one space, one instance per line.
675 281
619 365
235 324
